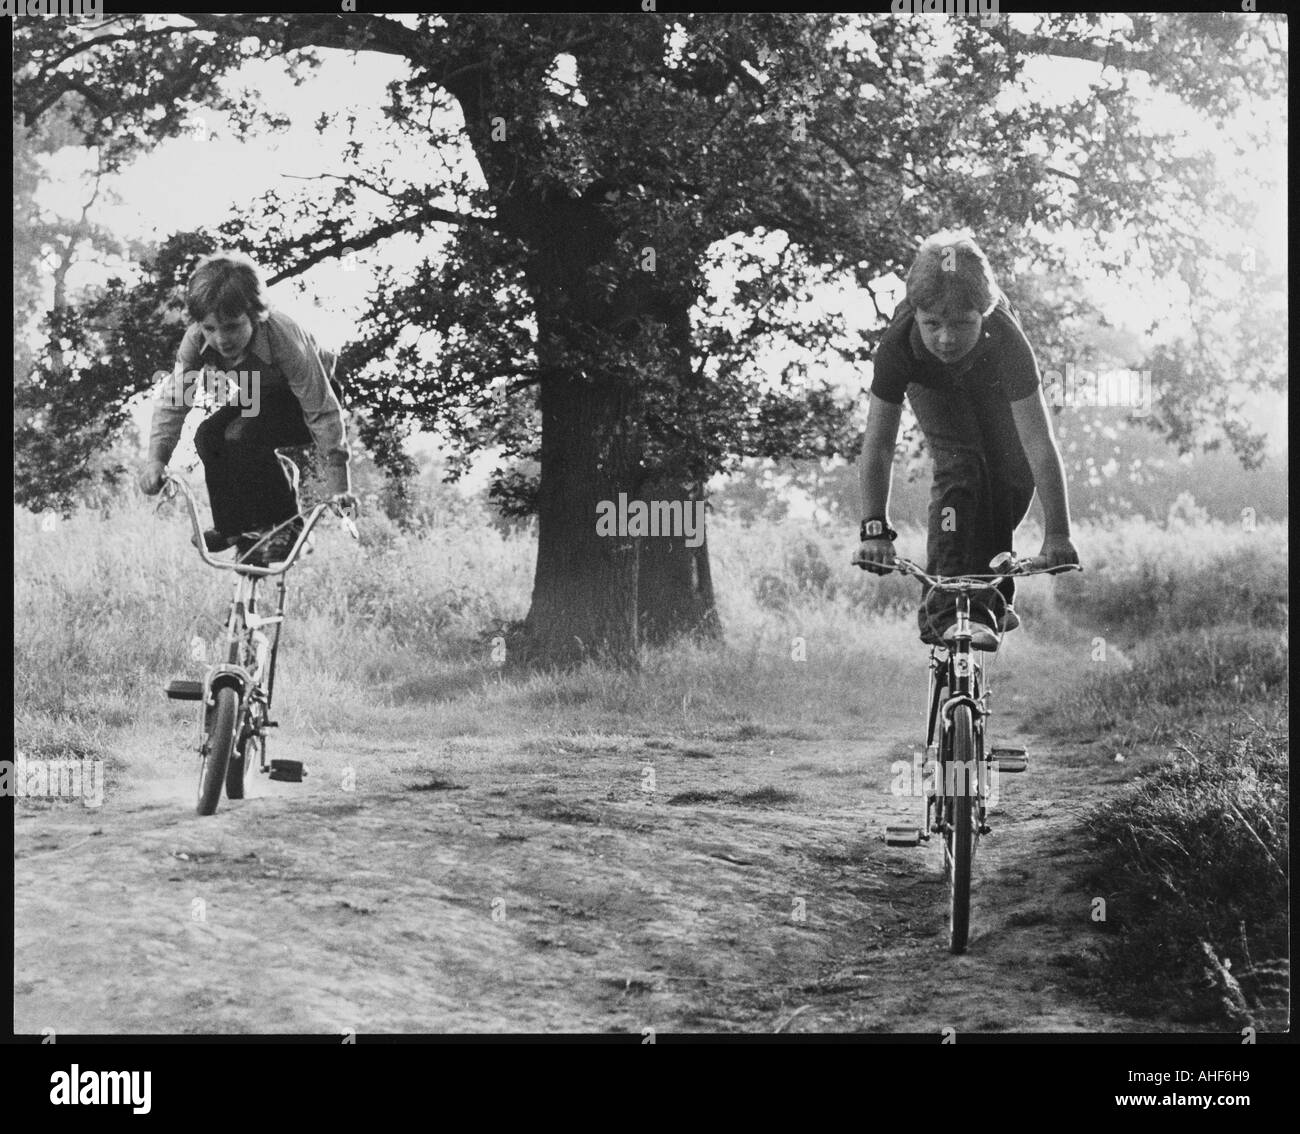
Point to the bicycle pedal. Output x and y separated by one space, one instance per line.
1010 759
902 836
179 690
288 771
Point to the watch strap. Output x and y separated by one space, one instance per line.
877 529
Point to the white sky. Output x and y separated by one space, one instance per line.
199 179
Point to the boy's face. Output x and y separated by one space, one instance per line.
229 336
949 332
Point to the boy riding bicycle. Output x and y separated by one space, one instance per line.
956 349
235 334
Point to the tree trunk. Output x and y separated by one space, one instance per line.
675 596
675 586
586 591
585 586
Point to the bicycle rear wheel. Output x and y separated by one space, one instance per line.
961 797
217 748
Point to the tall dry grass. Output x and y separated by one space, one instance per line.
398 632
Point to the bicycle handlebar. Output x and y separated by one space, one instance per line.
1005 566
171 483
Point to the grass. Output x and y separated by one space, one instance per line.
400 632
1172 679
1143 578
397 635
1193 864
1193 855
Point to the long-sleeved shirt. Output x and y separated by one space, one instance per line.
280 355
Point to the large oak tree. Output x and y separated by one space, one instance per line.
614 162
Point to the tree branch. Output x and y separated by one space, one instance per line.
354 32
433 212
138 36
374 236
1094 51
68 84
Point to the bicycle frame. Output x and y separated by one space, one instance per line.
249 668
956 669
963 787
250 655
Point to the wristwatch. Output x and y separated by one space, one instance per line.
877 529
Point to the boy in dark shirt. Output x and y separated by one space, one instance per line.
287 399
956 349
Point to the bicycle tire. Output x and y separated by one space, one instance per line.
241 762
217 748
959 829
241 653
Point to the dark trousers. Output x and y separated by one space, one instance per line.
982 489
247 486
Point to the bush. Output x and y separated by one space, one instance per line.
1194 865
1141 578
1173 678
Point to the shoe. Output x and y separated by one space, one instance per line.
937 626
981 637
1010 619
215 541
983 634
257 551
280 544
248 550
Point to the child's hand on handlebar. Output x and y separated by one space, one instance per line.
151 477
875 555
1057 551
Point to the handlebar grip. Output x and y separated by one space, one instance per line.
1038 563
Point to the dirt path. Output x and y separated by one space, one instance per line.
490 885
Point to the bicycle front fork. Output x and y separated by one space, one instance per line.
955 680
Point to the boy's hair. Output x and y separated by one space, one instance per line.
228 285
950 269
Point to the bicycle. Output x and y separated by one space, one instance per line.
962 774
236 694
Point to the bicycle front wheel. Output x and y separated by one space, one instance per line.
961 794
241 761
217 748
246 755
236 775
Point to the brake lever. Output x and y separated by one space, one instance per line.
165 494
346 515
